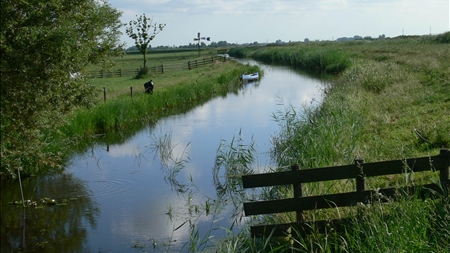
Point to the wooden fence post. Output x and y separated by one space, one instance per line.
360 181
104 94
189 65
444 172
131 88
162 68
298 194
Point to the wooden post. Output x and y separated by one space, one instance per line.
131 88
444 171
360 182
298 194
162 68
189 65
104 94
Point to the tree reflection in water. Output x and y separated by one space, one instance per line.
59 227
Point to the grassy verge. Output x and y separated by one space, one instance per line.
373 109
128 109
175 92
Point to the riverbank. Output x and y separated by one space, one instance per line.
122 115
390 102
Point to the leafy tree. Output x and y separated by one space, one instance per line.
143 31
45 46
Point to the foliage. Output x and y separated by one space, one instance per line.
314 60
45 45
443 38
143 31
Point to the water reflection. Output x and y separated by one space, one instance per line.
164 185
56 227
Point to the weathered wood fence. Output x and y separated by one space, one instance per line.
158 69
358 171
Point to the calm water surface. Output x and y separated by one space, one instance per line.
127 197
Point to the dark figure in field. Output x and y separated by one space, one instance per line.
149 86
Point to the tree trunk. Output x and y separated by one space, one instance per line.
145 60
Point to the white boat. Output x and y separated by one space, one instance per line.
250 77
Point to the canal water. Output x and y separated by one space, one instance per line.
156 191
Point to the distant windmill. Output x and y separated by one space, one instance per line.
200 38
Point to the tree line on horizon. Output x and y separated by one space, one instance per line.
193 45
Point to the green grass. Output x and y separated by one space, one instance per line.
135 60
175 92
128 109
371 108
313 60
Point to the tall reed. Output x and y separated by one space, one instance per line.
370 110
314 60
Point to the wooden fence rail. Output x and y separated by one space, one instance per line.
158 69
358 171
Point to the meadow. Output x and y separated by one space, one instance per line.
127 108
388 99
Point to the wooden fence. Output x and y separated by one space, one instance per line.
158 69
358 171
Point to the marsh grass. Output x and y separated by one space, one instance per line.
313 60
388 89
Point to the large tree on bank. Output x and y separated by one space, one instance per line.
143 30
45 45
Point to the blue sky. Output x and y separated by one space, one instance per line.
247 21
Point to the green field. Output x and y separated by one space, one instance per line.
124 112
380 93
134 59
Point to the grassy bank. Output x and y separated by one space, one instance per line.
313 60
176 92
374 108
124 113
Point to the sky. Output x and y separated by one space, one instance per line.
262 21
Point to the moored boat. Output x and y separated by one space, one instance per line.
250 77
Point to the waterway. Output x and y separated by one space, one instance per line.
156 191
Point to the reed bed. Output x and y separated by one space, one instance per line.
313 60
383 93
